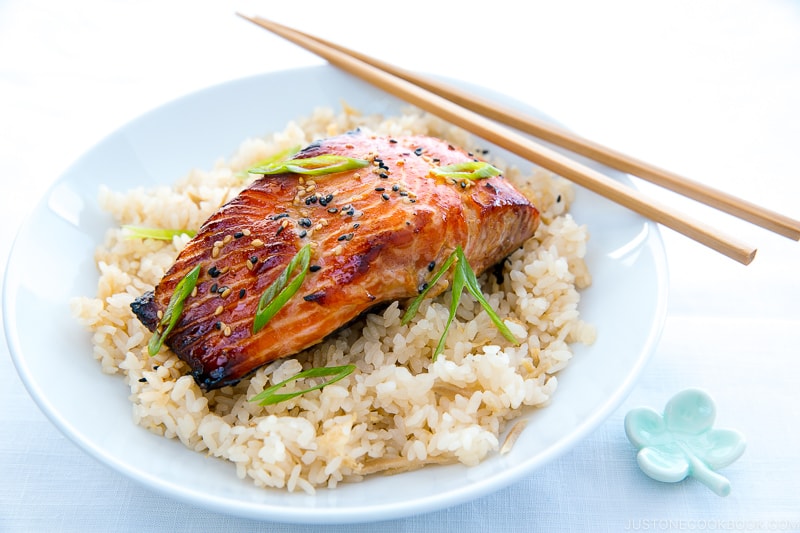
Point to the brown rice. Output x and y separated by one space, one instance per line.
399 410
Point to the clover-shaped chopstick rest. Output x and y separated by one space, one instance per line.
683 442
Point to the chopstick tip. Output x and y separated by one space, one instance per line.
251 18
749 257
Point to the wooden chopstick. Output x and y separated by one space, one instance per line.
700 192
514 142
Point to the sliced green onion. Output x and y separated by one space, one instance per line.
280 156
455 299
281 290
474 288
311 166
174 309
412 309
469 170
269 395
463 277
142 232
277 156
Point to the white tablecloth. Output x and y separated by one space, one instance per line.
710 89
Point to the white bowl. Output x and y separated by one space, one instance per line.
51 262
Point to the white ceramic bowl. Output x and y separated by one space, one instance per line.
51 262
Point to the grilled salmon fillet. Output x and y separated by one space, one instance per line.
377 234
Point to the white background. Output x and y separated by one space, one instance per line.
710 89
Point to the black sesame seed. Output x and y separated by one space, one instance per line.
279 216
311 199
395 187
314 296
214 271
214 288
418 151
254 259
351 212
463 184
558 198
380 189
412 200
356 225
242 292
333 210
314 268
423 287
345 237
385 196
403 193
393 141
383 175
142 380
302 234
305 222
431 266
238 235
280 229
218 325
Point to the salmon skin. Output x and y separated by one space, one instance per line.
377 234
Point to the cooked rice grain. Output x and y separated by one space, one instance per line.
400 410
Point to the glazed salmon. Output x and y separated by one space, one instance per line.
377 234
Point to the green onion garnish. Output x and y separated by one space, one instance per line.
311 166
269 395
173 312
474 288
282 289
463 277
142 232
277 156
412 309
469 170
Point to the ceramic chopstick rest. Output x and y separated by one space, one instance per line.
683 442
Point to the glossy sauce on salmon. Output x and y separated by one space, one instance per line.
377 235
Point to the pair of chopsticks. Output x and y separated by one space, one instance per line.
493 123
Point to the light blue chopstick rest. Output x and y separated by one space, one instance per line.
683 442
